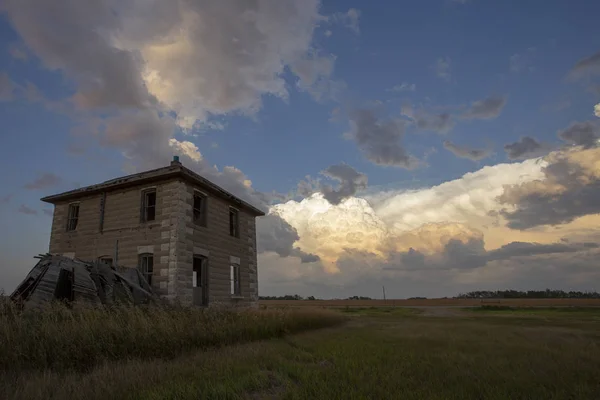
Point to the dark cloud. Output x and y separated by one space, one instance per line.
45 181
350 181
467 152
274 234
584 134
525 147
427 121
587 66
440 123
106 76
568 191
380 140
472 254
519 249
487 108
23 209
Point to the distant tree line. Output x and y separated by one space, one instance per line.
298 297
529 294
478 294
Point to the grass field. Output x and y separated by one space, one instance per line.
379 353
432 303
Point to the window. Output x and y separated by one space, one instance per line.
148 205
146 267
234 222
236 287
200 208
106 260
73 216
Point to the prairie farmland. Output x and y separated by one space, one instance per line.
433 303
423 352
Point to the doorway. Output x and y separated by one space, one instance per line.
200 281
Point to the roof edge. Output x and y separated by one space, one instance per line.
169 172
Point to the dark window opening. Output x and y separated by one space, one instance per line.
234 223
200 209
146 267
64 286
148 205
72 217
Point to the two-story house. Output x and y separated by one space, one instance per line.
192 240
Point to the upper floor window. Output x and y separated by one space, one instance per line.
72 216
146 266
234 222
148 205
200 208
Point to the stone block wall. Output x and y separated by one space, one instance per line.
173 238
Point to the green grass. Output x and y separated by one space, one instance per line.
380 355
562 312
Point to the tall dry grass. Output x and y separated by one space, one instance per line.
58 337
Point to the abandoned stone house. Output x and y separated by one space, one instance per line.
192 240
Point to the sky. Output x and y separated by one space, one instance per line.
432 147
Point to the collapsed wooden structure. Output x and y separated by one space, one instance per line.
72 280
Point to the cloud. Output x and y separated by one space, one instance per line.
586 67
45 181
17 52
441 123
350 181
196 59
7 87
487 108
570 188
467 152
525 147
443 67
424 219
380 140
187 148
23 209
584 134
6 199
403 87
349 19
434 241
597 110
426 121
276 235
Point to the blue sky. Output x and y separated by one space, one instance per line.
283 106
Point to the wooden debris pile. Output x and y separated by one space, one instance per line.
72 280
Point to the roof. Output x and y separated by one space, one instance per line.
175 170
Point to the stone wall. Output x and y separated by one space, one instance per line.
215 242
122 223
173 239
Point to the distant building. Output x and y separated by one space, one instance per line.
192 240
